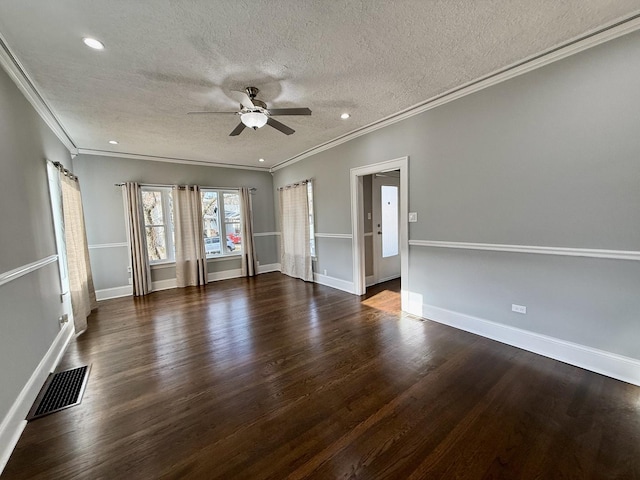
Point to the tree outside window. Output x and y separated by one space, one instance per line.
157 210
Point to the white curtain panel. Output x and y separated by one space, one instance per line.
140 269
191 259
295 250
249 259
83 294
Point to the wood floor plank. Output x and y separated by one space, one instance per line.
273 378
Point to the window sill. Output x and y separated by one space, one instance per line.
170 264
222 258
159 265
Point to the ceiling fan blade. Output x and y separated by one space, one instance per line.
238 130
243 98
289 111
280 126
217 113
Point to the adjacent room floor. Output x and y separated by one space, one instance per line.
272 377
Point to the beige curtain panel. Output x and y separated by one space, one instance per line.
83 294
140 269
191 260
295 249
249 259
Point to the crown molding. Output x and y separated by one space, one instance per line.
18 74
152 158
631 23
588 40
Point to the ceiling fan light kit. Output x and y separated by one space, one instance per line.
254 120
255 114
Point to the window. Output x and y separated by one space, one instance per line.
157 210
222 222
312 233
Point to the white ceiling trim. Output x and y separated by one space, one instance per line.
584 42
18 74
106 153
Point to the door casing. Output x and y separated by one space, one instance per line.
357 222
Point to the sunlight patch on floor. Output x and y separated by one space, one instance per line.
387 301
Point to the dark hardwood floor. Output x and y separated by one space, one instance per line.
272 377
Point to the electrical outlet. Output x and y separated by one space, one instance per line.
369 216
519 308
413 217
325 271
63 319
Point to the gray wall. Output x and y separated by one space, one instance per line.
548 158
104 211
30 304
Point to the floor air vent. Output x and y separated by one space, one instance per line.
61 390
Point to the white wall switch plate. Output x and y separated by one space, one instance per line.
413 217
518 308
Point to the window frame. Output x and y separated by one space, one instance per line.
166 202
222 224
312 230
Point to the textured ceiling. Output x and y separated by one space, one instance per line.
371 58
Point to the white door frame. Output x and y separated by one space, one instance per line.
357 221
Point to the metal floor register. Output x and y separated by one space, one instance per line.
61 390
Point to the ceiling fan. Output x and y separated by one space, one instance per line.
255 114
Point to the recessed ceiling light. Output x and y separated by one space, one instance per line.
93 43
113 142
344 116
261 159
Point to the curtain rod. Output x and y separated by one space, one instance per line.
296 184
64 171
251 189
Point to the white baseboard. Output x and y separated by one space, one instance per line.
115 292
337 283
163 284
14 422
606 363
224 275
270 267
391 277
127 290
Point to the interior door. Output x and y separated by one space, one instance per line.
386 226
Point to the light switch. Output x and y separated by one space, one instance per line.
369 216
413 217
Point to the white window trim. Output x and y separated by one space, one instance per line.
222 225
165 192
312 220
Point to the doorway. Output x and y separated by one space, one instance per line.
385 238
399 167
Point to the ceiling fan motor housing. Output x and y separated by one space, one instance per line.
252 92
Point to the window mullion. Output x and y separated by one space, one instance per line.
168 225
222 222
